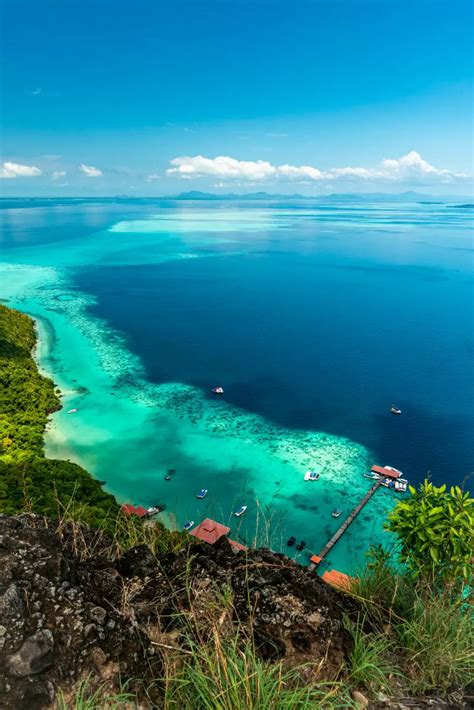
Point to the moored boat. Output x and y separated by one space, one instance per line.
188 525
395 410
240 511
311 475
202 493
217 390
336 513
372 475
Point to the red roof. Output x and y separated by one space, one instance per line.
130 509
209 531
315 559
387 472
336 579
237 545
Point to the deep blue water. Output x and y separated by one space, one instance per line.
321 324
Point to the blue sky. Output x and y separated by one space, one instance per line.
316 96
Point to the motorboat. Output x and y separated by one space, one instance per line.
301 545
311 475
72 411
336 513
372 475
202 493
217 390
291 541
395 410
240 511
388 483
400 485
188 525
395 470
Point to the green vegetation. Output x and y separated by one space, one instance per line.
28 480
435 528
227 674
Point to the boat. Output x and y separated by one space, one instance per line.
312 475
188 525
395 410
167 478
336 513
202 493
400 485
372 475
217 390
301 545
395 470
291 541
72 411
388 483
240 511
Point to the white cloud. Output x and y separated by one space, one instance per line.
90 171
37 92
14 170
58 174
222 166
153 177
410 167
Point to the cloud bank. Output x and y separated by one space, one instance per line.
13 170
90 170
409 167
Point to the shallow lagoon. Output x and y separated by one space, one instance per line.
138 321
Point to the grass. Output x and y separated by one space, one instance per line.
437 639
228 675
89 698
370 664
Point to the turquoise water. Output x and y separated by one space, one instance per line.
313 320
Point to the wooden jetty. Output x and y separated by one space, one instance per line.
340 532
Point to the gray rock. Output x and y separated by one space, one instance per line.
98 614
34 656
10 603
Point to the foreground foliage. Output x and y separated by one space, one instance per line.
435 527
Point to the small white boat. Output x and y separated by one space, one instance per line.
395 410
395 470
72 411
188 525
152 511
372 475
401 485
312 475
336 513
202 493
240 511
217 390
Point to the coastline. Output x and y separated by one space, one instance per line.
128 432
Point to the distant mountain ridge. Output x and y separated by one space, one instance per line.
410 196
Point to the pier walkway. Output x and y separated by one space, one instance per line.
340 532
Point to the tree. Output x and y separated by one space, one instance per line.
435 529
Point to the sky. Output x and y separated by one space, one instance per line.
141 97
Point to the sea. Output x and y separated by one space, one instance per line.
314 316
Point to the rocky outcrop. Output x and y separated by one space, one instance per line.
68 611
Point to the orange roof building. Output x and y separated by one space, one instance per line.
386 472
337 579
209 531
130 509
